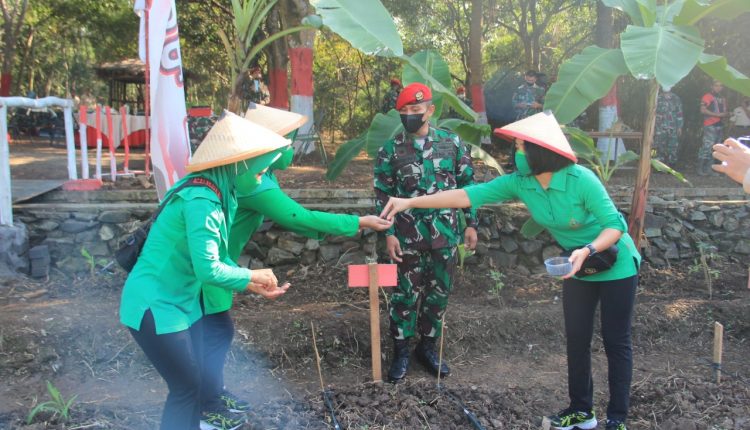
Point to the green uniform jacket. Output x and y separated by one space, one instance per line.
269 201
186 247
575 209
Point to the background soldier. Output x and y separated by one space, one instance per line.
714 110
254 89
389 101
668 126
528 98
422 160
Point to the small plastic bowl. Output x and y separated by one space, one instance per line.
558 266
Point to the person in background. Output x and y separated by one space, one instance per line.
714 110
740 119
389 101
186 247
573 205
461 94
735 161
255 89
422 160
265 201
528 98
668 126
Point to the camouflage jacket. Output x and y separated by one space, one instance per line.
668 114
523 96
407 168
258 95
389 101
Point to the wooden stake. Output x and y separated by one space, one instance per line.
718 348
375 323
317 357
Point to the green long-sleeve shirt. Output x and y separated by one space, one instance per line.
186 247
271 202
575 208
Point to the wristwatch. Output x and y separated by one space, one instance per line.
591 248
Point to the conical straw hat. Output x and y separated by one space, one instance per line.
279 121
541 129
233 139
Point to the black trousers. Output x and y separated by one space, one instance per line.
617 299
218 331
177 358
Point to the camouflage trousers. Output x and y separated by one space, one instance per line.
712 135
425 280
666 146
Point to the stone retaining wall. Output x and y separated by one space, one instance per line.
74 224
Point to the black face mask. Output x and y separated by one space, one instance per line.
412 123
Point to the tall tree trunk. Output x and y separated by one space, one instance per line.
475 63
640 193
278 60
14 12
301 59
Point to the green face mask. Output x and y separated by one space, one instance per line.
247 171
287 154
522 164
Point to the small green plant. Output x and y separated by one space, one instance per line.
497 287
57 405
89 259
703 264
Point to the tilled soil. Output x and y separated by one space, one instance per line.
504 343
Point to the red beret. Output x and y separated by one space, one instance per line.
395 81
461 90
413 93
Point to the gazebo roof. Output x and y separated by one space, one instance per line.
129 71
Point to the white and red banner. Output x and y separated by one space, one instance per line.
159 48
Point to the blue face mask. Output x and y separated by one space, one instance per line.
522 164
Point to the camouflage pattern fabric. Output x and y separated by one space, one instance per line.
425 280
389 101
452 113
525 95
712 134
669 122
407 168
198 127
257 94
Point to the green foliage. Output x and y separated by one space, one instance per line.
651 48
587 77
366 25
89 259
57 405
498 283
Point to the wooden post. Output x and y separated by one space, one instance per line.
375 323
84 142
718 348
373 276
6 202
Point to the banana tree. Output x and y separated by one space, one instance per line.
369 27
248 16
662 45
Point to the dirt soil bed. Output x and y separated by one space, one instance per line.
504 341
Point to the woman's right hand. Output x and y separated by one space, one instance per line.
394 206
264 277
267 292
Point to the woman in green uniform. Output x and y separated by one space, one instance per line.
266 201
571 202
188 246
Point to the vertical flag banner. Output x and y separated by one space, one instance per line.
159 49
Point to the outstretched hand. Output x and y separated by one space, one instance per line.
576 259
735 158
394 206
374 222
267 291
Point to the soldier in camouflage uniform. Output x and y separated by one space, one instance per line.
254 89
389 101
420 161
668 126
528 98
714 110
198 127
